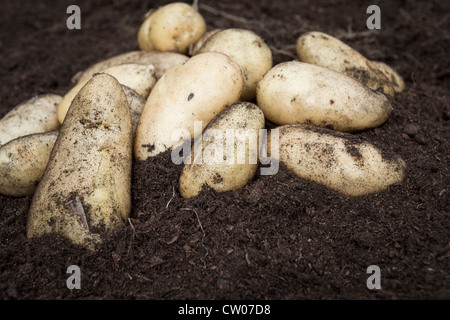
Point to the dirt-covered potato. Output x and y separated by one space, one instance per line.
300 93
172 27
329 52
162 61
195 91
340 161
140 78
85 191
246 48
229 151
391 74
36 115
23 161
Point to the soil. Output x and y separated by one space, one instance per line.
280 237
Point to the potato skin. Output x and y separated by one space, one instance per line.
140 78
222 176
162 61
340 161
36 115
300 93
195 91
326 51
85 191
172 27
246 48
23 161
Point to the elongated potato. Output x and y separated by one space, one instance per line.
23 161
229 152
339 161
301 93
36 115
329 52
85 191
140 78
195 91
172 27
162 61
248 50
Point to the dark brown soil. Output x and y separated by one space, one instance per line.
280 237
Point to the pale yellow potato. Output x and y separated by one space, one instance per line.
195 91
140 78
246 48
173 27
85 191
217 166
23 161
339 161
300 93
202 40
326 51
36 115
162 61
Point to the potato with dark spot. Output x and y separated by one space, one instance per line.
85 191
300 93
329 52
228 157
246 48
195 91
339 161
36 115
23 161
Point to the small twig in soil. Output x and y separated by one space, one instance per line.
283 52
203 231
173 196
223 14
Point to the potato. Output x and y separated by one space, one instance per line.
136 103
329 52
339 161
391 74
162 61
172 27
300 93
32 116
219 167
140 78
85 191
202 40
195 91
23 161
248 50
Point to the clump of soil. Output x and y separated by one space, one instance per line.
280 237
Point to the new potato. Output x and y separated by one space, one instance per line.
140 78
339 161
300 93
248 50
195 91
85 191
173 27
162 61
23 161
220 167
329 52
36 115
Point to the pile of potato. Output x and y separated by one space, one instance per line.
74 153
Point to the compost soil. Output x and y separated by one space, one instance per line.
280 237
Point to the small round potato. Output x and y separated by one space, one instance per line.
162 61
140 78
195 91
329 52
85 191
248 50
219 167
36 115
339 161
172 27
23 161
300 93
